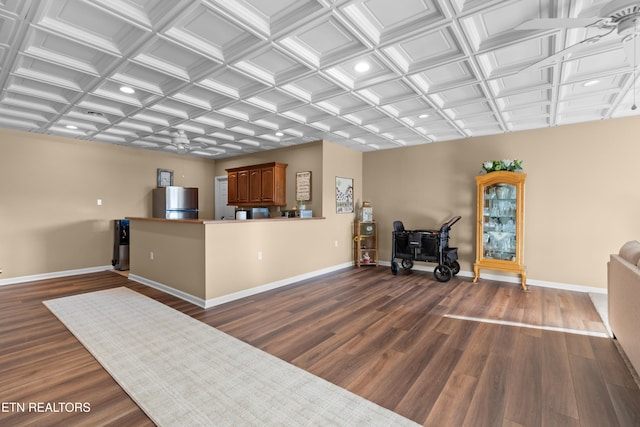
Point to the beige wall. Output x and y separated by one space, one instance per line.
49 186
582 198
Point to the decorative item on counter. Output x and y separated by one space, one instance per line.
502 165
366 212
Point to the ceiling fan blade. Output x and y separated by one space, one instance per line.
556 23
562 53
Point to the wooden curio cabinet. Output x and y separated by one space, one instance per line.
500 224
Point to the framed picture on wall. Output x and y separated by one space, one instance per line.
344 195
165 177
303 186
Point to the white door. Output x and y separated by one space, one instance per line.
222 210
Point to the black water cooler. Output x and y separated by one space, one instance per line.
120 259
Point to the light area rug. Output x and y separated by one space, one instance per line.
183 372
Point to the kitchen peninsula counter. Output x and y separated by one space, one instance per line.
208 262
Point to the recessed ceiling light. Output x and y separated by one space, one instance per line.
127 89
279 134
591 83
71 127
423 116
362 67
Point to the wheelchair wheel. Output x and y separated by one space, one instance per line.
442 273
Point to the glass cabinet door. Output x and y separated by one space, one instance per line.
499 222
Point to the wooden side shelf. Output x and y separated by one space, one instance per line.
365 243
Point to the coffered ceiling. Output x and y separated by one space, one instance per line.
242 76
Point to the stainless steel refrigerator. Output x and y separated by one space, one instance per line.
175 202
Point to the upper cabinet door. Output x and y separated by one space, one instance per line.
243 186
232 188
268 183
255 186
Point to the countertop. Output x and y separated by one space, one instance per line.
220 221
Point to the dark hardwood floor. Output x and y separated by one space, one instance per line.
441 354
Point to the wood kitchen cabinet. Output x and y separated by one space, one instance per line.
258 185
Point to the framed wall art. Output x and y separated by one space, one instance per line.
303 186
344 195
165 177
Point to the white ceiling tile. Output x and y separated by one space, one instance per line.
243 111
102 30
270 17
305 114
274 101
52 74
106 106
201 98
345 73
169 58
409 107
425 50
383 20
522 82
232 83
271 67
65 52
444 77
138 76
37 89
458 96
342 104
176 109
207 32
388 92
312 88
541 96
322 43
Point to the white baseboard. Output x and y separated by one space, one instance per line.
274 285
236 295
168 290
514 279
53 275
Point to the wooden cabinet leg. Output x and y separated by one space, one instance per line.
476 273
523 275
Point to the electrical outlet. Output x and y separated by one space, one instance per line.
336 244
151 255
259 255
99 202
